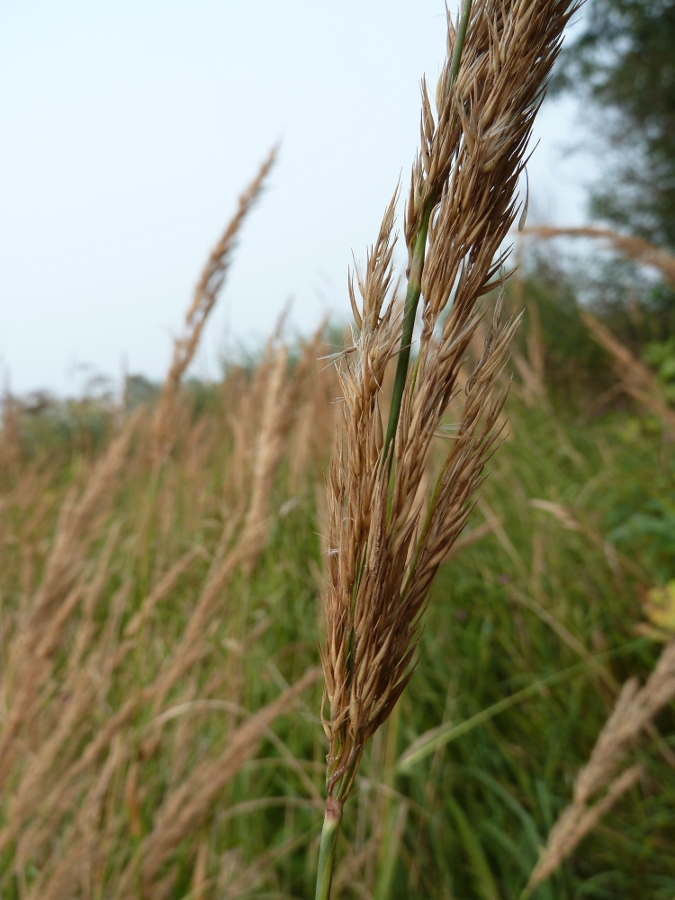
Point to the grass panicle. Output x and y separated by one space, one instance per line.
204 299
636 378
385 539
631 247
634 711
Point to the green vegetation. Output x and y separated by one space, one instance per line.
535 611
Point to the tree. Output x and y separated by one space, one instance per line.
624 64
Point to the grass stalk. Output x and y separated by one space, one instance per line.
329 836
409 314
417 266
459 42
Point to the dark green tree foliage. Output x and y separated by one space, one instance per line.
624 63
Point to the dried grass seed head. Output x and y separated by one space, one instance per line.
384 550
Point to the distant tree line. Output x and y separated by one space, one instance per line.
623 65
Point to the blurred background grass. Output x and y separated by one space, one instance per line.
549 598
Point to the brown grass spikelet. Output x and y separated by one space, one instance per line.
632 247
274 395
40 624
633 713
385 542
574 824
205 295
637 379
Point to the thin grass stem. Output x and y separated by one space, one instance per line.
329 836
445 734
459 42
416 268
409 314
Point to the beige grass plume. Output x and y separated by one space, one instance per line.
385 540
637 379
205 295
634 710
631 247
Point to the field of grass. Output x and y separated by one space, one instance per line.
160 733
213 596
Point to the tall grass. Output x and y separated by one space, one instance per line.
107 682
109 761
161 575
530 634
391 522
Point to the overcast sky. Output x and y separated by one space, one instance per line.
130 127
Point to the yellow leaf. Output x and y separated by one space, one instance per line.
660 606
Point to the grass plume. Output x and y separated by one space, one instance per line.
634 711
636 378
631 247
204 299
385 543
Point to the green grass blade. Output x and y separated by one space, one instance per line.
485 883
444 734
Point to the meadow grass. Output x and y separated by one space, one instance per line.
173 572
534 609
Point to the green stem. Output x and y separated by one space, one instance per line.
459 42
409 312
416 267
329 835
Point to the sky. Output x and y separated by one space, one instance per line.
130 128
